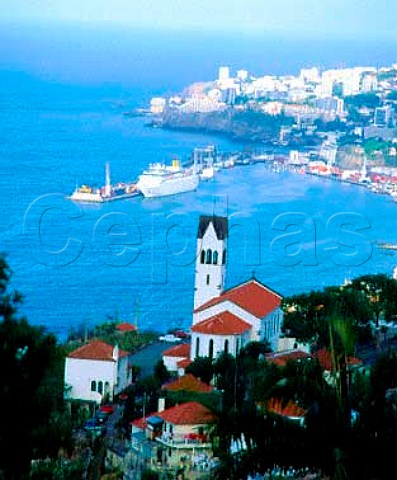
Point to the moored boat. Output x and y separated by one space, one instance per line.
160 180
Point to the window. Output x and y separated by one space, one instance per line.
100 387
106 387
226 349
215 258
208 279
209 257
211 348
202 256
93 386
197 347
237 345
224 257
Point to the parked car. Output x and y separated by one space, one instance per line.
169 338
181 334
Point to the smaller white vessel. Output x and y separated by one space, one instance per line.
207 173
107 193
161 180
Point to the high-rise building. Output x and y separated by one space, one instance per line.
242 75
223 74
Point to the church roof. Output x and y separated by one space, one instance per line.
252 296
96 350
220 225
224 323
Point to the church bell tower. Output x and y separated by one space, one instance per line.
211 257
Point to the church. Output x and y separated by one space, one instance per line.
226 320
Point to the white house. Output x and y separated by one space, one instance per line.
181 435
96 369
226 320
172 356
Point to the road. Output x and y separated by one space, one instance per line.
147 358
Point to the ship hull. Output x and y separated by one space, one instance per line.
97 198
169 186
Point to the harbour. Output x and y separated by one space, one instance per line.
255 187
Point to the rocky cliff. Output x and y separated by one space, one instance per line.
240 125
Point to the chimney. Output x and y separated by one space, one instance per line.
161 404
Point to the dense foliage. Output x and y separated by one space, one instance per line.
33 421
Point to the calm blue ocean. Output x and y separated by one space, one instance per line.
61 121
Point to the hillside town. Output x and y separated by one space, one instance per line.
248 392
359 101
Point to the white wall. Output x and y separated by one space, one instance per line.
271 328
204 291
268 328
79 374
171 362
235 343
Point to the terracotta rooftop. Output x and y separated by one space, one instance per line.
187 383
184 363
225 323
325 359
96 350
251 296
126 327
181 350
282 358
290 409
190 413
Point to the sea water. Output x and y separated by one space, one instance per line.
134 259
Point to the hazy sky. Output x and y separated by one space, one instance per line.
341 17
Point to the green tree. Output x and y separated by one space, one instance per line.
202 368
161 374
31 390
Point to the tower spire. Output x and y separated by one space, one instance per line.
210 258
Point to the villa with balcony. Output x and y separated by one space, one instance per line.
176 439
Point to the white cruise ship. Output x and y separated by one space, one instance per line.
160 180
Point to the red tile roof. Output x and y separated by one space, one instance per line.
125 327
281 358
251 296
184 363
325 358
225 323
96 350
181 350
290 409
190 413
188 383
